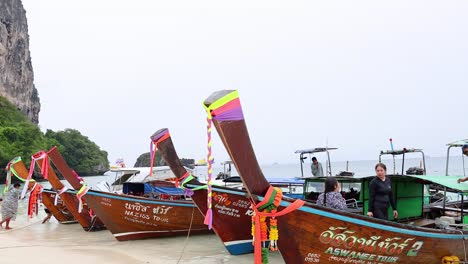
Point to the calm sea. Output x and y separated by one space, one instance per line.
434 166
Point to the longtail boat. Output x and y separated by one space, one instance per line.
73 203
56 207
231 210
130 217
317 234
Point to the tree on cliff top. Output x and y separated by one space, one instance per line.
21 138
81 154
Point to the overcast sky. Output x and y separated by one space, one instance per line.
353 73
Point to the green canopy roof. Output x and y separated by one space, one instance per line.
447 181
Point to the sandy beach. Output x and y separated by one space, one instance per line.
29 240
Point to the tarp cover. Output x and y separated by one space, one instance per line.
163 190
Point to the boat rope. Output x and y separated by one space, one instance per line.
268 208
188 235
41 155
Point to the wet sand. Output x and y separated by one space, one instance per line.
56 243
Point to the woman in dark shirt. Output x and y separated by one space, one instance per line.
380 194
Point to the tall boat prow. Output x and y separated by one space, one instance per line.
143 210
321 234
49 197
237 141
231 212
79 211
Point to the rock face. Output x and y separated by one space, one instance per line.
16 72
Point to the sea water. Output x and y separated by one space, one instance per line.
434 166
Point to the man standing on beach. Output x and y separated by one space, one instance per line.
316 167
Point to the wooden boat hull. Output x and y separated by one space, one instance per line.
232 216
130 218
48 196
71 202
59 211
314 234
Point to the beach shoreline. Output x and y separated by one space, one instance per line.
29 240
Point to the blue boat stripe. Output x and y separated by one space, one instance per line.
358 221
374 225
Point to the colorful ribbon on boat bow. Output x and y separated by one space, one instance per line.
41 155
180 183
225 108
154 146
64 189
268 208
83 190
11 171
34 197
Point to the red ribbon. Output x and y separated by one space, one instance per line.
153 151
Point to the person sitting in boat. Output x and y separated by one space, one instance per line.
316 166
332 197
380 194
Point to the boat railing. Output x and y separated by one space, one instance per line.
353 202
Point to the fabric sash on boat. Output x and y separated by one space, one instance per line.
34 198
155 140
228 108
268 208
59 192
44 170
11 171
154 146
36 190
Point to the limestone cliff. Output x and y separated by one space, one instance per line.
16 72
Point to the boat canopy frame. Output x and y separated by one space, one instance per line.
303 155
403 153
459 143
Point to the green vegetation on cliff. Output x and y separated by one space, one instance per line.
81 154
20 137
